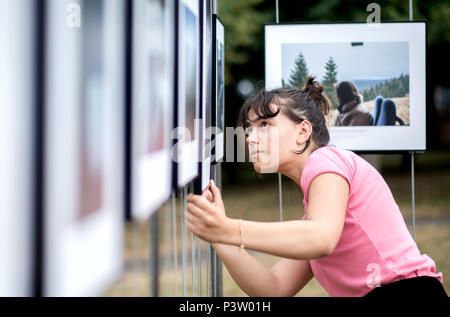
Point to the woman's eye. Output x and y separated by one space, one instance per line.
264 123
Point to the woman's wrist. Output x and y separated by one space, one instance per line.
232 234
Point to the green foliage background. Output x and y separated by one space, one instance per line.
244 22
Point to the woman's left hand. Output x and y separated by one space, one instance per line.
206 216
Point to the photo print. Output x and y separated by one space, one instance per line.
204 164
218 103
152 105
373 76
190 45
84 154
92 112
187 126
363 81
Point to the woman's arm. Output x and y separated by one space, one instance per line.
314 237
286 278
296 239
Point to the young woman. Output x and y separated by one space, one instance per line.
352 239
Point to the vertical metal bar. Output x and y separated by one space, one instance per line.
192 263
154 238
185 189
413 197
213 253
210 264
144 265
199 266
38 183
134 261
412 157
191 189
175 242
150 263
410 10
214 270
219 262
277 12
219 287
208 269
167 247
183 242
168 244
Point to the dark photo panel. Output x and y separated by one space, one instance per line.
190 49
218 96
204 163
152 78
187 140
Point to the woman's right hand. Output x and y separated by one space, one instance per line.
208 194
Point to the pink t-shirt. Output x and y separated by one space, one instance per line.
375 247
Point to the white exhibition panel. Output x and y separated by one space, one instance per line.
153 37
361 138
16 146
188 151
206 108
220 136
83 257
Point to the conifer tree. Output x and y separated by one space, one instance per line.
299 74
329 80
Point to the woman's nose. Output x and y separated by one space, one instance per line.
252 137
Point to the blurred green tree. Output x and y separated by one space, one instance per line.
242 20
329 80
299 74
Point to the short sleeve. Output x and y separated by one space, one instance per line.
326 160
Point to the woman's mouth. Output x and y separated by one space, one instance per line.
253 153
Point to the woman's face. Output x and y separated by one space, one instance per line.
271 141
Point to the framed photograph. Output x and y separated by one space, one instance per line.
152 104
372 73
84 165
187 128
218 103
17 146
204 164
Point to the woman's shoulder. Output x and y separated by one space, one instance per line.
331 155
347 160
328 159
331 150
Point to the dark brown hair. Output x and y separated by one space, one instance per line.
298 104
347 91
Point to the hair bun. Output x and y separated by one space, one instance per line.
314 90
312 86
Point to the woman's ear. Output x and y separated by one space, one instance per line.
304 130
